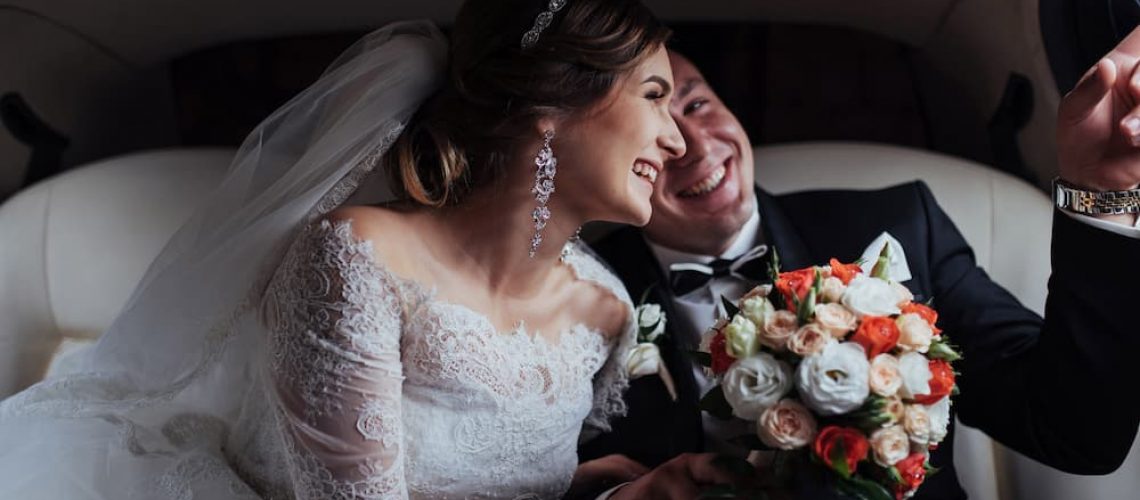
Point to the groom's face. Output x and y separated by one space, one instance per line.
702 200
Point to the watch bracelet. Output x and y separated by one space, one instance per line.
1069 197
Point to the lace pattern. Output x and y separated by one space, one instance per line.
426 395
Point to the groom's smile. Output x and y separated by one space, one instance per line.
701 200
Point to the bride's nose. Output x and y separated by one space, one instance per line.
671 140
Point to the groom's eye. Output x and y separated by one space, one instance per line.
695 105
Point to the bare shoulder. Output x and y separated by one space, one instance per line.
601 308
390 231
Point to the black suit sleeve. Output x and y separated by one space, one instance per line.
1057 390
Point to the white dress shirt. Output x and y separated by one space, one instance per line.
699 309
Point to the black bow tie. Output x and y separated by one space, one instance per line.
684 278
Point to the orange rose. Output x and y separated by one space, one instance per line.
930 315
941 382
718 349
877 334
795 284
854 443
911 472
845 272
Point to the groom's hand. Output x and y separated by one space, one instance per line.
1098 124
683 477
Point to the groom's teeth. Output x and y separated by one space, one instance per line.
707 184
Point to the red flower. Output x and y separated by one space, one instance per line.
795 284
877 334
930 315
721 360
912 472
853 444
845 272
941 382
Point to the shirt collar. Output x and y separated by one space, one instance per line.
749 237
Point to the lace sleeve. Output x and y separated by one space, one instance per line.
612 380
336 319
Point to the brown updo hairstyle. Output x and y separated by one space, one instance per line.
461 138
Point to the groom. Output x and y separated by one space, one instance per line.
1056 390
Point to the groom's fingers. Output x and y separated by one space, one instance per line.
1080 102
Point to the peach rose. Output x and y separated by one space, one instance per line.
786 426
831 290
889 445
778 328
835 320
809 339
885 377
916 422
915 333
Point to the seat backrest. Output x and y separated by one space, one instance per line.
73 247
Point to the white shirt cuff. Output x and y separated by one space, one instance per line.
1121 229
606 494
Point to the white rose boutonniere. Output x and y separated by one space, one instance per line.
645 357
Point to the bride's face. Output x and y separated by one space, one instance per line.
609 156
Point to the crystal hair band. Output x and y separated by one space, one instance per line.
541 22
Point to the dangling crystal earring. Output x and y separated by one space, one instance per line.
546 165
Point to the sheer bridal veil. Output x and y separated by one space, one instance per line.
181 342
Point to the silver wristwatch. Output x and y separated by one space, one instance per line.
1069 197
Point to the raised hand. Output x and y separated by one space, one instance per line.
1098 123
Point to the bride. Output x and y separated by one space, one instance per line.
450 344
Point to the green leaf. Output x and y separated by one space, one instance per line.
864 489
645 294
882 265
729 307
716 405
839 460
944 351
807 307
774 265
701 358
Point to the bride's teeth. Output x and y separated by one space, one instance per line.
708 184
646 171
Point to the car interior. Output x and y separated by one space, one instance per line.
118 118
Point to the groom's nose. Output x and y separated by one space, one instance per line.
698 145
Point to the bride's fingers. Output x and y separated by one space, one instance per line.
1080 102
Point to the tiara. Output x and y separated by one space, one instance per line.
541 22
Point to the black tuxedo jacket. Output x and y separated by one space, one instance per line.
1057 390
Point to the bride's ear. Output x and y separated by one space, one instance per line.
544 124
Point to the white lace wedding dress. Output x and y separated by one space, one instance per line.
374 388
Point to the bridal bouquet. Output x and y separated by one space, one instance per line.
838 369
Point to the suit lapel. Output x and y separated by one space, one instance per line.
781 234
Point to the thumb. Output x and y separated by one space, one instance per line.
1080 102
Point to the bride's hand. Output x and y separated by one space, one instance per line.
598 475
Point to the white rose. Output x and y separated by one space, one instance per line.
915 333
740 337
786 426
834 381
835 319
915 371
778 328
809 339
831 289
889 445
756 309
917 424
866 296
902 292
939 414
650 316
885 378
753 384
644 359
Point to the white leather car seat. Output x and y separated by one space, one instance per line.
73 247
